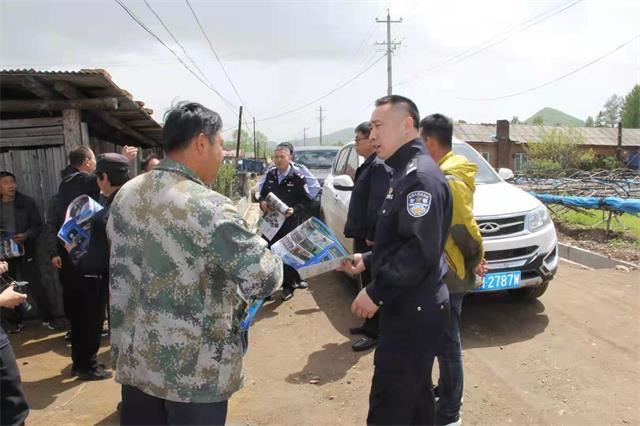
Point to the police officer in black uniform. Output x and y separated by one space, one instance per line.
370 187
291 187
92 293
407 268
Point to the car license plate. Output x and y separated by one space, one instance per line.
500 281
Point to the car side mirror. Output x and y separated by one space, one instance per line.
343 183
505 174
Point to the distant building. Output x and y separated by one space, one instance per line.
503 144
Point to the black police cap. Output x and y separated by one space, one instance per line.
111 162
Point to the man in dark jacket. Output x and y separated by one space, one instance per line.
20 219
77 179
292 188
370 187
92 293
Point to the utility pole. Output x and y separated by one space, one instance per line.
239 134
255 147
304 136
391 47
321 110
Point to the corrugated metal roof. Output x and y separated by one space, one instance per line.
92 83
522 133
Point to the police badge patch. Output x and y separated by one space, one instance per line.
418 203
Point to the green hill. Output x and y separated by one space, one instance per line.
553 117
340 137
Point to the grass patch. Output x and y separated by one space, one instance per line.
586 221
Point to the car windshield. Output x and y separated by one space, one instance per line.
486 174
320 159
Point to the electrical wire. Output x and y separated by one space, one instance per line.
331 92
213 50
493 41
555 80
150 32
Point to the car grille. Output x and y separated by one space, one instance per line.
501 226
510 254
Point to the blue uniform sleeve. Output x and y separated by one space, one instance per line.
378 187
419 218
313 186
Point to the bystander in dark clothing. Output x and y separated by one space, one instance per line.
13 404
20 219
74 183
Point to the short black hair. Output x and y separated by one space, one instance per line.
145 163
116 177
5 173
439 127
285 145
412 108
186 120
364 128
79 155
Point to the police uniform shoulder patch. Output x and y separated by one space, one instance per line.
412 166
418 203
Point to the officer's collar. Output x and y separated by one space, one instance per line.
285 173
179 168
406 152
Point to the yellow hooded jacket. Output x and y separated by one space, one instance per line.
463 248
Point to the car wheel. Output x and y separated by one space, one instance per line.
530 293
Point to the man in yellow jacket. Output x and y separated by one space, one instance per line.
464 254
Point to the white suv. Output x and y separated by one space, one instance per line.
519 236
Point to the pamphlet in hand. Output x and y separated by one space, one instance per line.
271 222
76 229
311 249
9 247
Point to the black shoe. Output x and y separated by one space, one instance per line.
67 335
364 343
356 330
97 373
268 298
302 285
15 329
287 295
119 406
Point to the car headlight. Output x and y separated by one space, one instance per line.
537 218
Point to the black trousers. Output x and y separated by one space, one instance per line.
91 296
13 405
70 280
26 269
402 387
138 408
371 326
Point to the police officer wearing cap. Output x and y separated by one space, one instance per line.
92 291
407 268
292 188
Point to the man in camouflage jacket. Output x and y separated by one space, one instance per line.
180 254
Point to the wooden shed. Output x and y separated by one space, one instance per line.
46 114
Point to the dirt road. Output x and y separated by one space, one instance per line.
571 358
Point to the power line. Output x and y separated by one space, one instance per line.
480 47
213 50
143 26
558 78
331 92
175 40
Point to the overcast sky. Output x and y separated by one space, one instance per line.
284 54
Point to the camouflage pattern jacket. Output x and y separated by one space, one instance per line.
179 254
